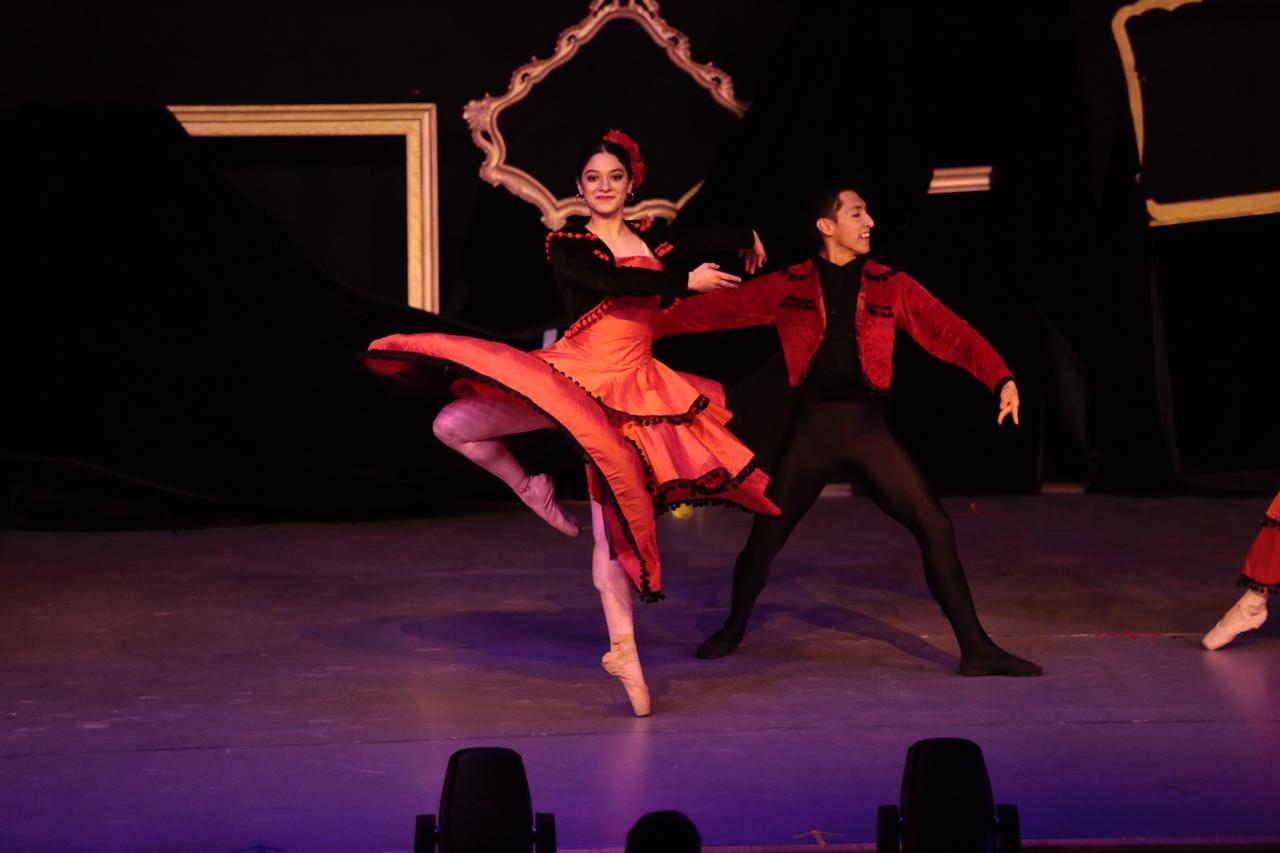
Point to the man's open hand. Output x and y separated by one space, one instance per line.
1009 402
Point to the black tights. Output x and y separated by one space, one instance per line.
825 437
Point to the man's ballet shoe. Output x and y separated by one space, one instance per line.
719 644
623 661
993 660
539 494
1245 615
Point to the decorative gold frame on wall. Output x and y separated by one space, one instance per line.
482 115
1172 213
415 122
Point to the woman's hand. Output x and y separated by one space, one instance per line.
1009 402
708 277
753 258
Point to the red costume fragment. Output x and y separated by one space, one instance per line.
1262 565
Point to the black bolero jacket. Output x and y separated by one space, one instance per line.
585 273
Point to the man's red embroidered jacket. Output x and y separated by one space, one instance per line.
889 300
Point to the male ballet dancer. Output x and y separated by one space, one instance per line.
836 316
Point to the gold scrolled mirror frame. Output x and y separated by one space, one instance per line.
415 122
482 115
1172 213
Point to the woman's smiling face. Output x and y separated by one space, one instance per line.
604 183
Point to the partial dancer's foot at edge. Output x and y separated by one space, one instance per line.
719 644
993 660
539 494
623 661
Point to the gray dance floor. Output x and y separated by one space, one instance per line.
300 687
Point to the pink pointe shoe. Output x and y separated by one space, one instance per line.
623 661
539 494
1245 615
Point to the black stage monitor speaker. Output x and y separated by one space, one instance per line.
485 807
947 805
664 832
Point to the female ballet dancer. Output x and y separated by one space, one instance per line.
654 438
1261 576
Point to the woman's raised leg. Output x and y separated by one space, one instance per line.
611 580
474 427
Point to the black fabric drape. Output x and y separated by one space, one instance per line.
168 356
842 100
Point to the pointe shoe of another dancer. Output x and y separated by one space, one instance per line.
539 494
623 661
1245 615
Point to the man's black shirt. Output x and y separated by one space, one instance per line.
836 371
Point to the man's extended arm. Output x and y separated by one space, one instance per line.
753 303
945 335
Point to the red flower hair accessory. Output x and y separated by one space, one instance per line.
633 151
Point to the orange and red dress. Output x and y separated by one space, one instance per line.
653 437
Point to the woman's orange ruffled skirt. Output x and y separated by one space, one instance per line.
653 437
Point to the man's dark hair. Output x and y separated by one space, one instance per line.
824 201
664 832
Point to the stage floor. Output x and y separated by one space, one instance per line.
300 687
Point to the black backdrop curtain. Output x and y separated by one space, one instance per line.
1139 350
169 355
170 358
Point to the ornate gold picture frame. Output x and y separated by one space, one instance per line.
482 115
415 122
1172 213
